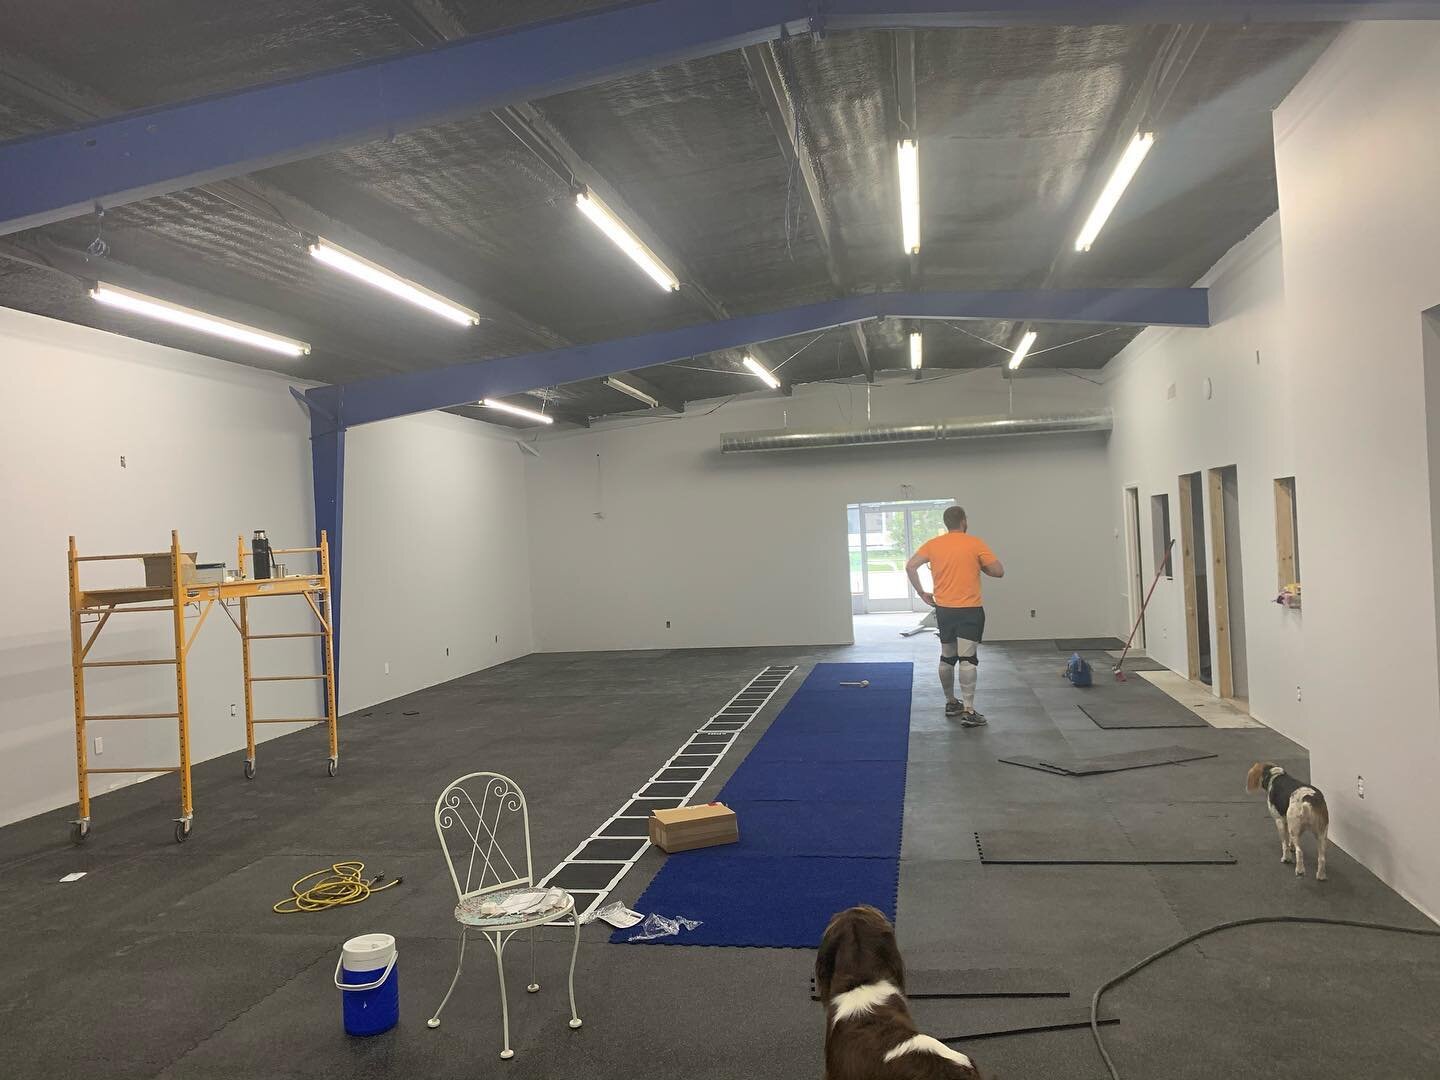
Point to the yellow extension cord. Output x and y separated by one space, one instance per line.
339 884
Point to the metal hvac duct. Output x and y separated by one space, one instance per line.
979 427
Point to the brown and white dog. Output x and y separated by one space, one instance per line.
869 1034
1297 808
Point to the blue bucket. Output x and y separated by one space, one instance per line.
370 984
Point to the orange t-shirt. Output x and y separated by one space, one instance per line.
955 561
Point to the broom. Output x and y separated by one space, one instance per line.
1120 675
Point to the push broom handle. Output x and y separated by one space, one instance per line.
1146 603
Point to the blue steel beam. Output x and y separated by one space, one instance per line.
327 471
53 176
369 400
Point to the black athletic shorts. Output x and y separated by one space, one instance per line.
967 623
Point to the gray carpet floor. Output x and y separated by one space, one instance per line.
166 960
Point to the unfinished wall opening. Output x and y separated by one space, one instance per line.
1160 532
882 537
1134 570
1195 576
1287 533
1232 671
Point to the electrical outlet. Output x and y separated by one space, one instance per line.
667 624
99 744
122 461
1297 693
1032 613
1360 786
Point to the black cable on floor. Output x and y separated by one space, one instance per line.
1095 1000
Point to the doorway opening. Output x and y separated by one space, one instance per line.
1231 668
1194 573
882 538
1134 569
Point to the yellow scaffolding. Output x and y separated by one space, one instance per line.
92 608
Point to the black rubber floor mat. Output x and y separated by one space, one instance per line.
626 827
1060 1020
1015 848
1164 712
585 876
1087 644
1134 759
609 850
945 983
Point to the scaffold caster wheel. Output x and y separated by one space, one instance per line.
249 770
182 831
79 831
332 766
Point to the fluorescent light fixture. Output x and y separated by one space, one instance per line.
909 159
347 262
626 388
1018 356
620 235
1125 170
761 372
917 349
140 304
516 410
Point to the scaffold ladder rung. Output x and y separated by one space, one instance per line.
134 716
124 663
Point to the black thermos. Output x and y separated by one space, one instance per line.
260 551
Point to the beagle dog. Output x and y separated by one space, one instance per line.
869 1034
1297 808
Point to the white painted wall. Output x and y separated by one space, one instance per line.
646 522
1358 164
213 450
1246 423
436 556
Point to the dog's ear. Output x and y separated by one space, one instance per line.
1255 776
891 958
825 960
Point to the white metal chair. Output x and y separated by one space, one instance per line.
478 817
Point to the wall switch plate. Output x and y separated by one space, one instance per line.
1032 613
667 624
99 744
387 667
1297 693
447 650
233 708
1360 786
122 461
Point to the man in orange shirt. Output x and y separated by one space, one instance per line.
957 560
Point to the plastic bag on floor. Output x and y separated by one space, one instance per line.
658 926
616 914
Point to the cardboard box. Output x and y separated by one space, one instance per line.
688 827
157 570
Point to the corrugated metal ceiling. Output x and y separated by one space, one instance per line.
1012 125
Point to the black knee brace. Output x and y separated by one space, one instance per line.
973 658
951 660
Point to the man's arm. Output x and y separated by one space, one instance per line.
994 568
912 571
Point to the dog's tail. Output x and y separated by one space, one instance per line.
1317 807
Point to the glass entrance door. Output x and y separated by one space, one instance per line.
883 536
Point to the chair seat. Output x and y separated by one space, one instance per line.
468 910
